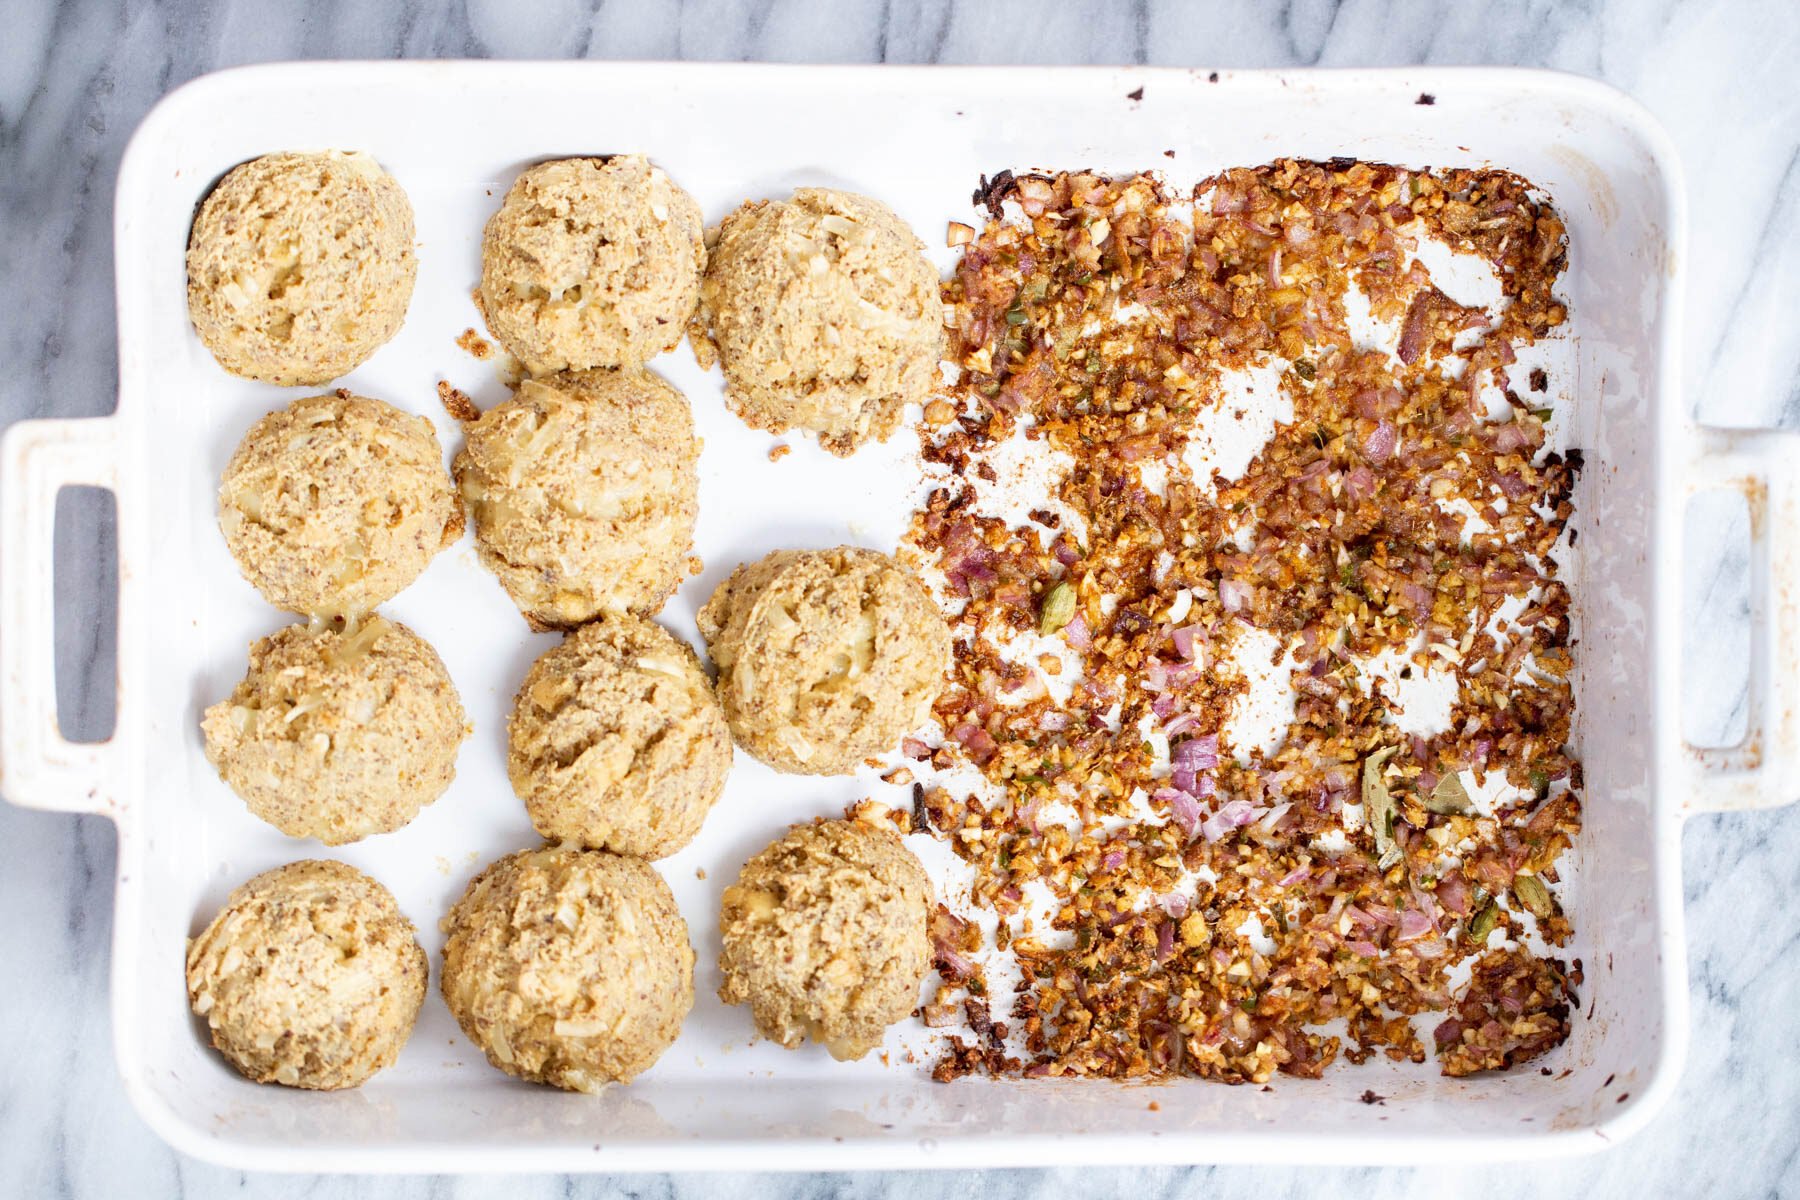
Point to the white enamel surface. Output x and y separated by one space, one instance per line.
452 133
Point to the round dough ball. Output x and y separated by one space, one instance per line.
584 489
569 967
825 936
824 313
825 657
300 266
310 976
338 732
616 742
335 503
591 263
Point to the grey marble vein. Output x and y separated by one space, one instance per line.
75 78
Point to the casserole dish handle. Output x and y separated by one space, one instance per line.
39 768
1763 770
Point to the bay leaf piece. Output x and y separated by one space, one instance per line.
1379 808
1450 798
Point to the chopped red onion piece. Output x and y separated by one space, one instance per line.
1432 947
1384 914
950 963
1381 444
977 741
1414 925
1233 814
1184 810
1197 753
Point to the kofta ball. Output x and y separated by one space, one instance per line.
824 314
336 503
584 491
300 266
591 263
825 657
616 742
825 936
310 976
338 731
568 967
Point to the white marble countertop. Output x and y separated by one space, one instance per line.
76 78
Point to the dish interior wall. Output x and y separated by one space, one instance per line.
455 137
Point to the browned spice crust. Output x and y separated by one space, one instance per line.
1336 540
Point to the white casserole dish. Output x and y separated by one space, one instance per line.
454 134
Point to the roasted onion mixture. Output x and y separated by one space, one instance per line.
1175 903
